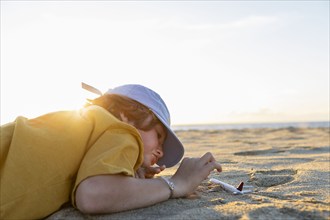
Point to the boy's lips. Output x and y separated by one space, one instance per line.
154 159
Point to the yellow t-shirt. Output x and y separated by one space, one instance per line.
43 160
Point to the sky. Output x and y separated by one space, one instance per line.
211 61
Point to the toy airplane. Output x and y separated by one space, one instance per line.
239 190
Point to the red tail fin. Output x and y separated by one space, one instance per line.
240 187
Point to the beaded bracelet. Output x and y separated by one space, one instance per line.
170 185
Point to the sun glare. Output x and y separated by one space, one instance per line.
212 62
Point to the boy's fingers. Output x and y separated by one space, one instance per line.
214 165
206 158
140 174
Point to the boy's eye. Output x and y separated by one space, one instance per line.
159 135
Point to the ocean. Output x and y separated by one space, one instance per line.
313 124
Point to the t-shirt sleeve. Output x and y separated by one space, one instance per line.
115 152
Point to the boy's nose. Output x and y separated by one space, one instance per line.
159 152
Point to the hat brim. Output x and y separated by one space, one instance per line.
173 149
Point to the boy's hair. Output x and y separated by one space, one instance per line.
133 110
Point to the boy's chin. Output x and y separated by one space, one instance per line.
149 162
146 164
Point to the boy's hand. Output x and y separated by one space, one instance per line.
148 172
191 172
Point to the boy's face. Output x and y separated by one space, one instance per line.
153 141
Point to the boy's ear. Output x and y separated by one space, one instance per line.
123 117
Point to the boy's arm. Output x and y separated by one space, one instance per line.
115 193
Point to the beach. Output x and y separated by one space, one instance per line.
289 170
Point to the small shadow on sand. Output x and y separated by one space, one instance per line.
258 152
268 178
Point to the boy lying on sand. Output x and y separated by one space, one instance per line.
101 157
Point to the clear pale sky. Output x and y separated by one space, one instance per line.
211 61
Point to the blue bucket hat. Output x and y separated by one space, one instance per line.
172 148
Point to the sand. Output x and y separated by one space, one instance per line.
289 169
